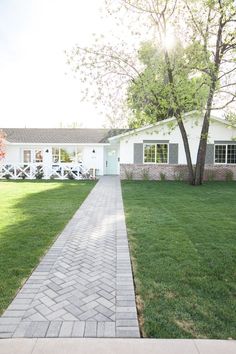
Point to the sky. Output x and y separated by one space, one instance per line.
37 87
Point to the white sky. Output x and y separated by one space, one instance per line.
34 88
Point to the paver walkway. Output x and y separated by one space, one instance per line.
83 287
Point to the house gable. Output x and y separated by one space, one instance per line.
132 143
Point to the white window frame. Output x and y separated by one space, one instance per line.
23 156
59 155
226 155
156 163
33 151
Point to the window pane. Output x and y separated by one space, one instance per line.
79 155
231 154
220 153
27 156
38 156
162 153
68 155
149 153
55 155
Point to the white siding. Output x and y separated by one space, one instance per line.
218 131
94 160
12 154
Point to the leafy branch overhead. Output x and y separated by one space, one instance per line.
105 71
150 95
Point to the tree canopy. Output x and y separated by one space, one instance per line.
149 95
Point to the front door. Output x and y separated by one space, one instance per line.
111 161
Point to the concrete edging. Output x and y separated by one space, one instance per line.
115 346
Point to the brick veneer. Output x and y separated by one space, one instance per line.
173 172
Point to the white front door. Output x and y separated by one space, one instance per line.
111 161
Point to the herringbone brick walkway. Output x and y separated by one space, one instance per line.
83 287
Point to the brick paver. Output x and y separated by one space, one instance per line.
83 287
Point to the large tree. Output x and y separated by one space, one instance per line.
206 31
149 95
214 32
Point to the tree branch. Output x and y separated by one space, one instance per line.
226 73
230 84
225 105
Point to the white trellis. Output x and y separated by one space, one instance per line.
56 171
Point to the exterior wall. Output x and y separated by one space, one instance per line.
174 172
14 154
94 160
218 131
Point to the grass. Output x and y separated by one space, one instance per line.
31 216
183 245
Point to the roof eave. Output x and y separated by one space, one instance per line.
57 144
132 132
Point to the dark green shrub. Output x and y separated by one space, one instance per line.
145 174
39 173
129 175
7 176
162 176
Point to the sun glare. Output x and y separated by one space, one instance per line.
169 39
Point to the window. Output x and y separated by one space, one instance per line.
67 154
155 153
231 153
220 153
27 156
32 155
225 153
161 153
55 155
149 153
38 156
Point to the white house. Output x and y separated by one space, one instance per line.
149 151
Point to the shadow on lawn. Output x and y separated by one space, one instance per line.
39 217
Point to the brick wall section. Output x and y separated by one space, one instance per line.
174 172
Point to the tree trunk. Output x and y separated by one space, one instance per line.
201 155
180 122
186 148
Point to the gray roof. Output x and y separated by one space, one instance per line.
60 135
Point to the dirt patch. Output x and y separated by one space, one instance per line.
188 326
140 308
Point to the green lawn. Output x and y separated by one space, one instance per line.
31 216
183 242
